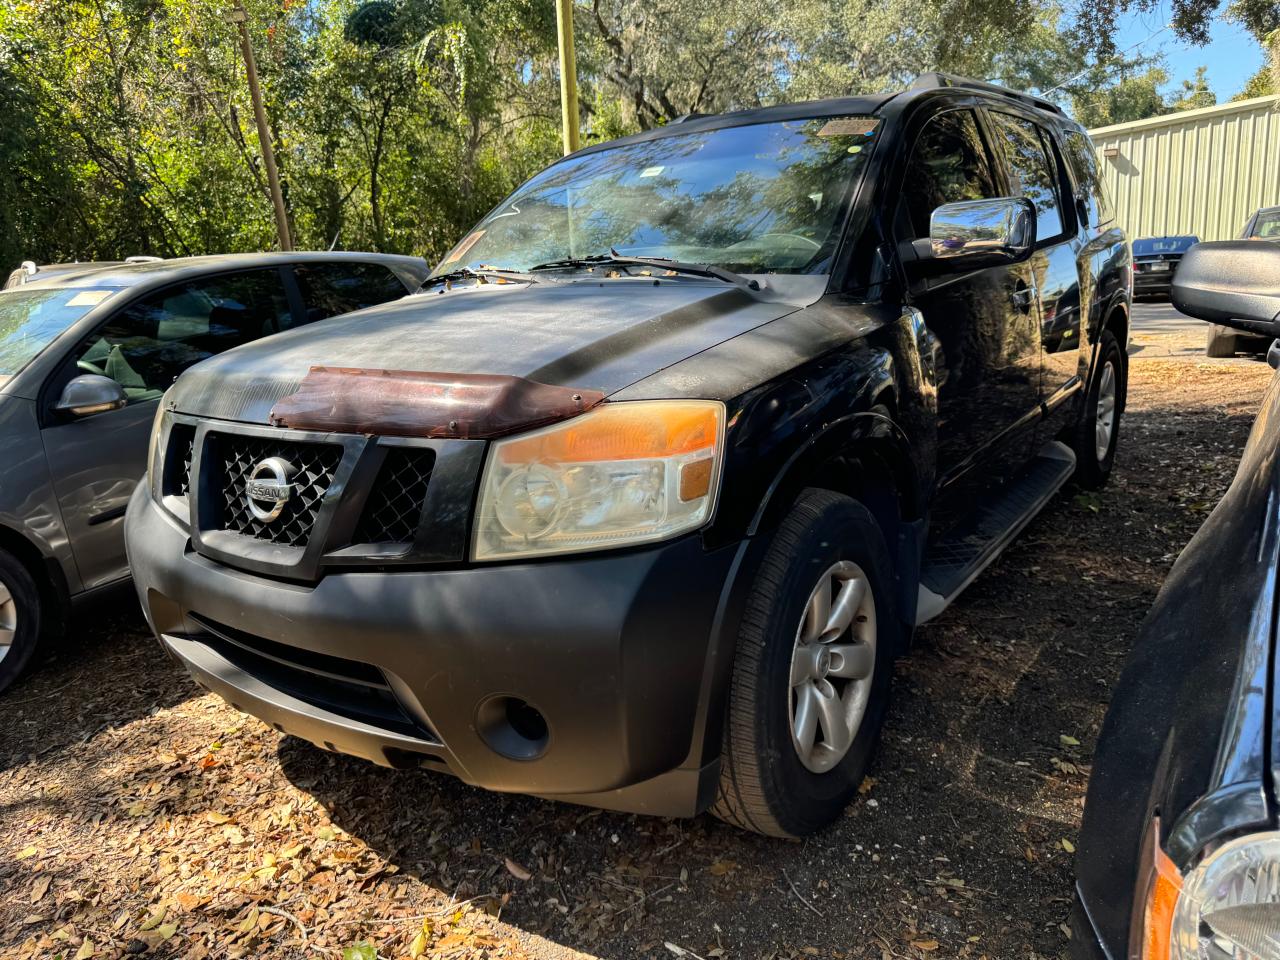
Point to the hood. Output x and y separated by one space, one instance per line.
590 335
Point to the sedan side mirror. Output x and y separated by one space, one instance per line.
972 234
1232 282
91 393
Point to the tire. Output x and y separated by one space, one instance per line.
1093 465
1220 342
20 618
765 785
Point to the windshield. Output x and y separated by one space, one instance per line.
762 198
31 319
1146 248
1267 225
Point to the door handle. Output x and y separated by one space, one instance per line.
1023 297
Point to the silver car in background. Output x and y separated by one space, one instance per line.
86 351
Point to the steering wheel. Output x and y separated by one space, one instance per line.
86 367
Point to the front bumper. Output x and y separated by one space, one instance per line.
623 654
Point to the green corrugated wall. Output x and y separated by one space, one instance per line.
1201 172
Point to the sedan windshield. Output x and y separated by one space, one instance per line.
760 198
31 319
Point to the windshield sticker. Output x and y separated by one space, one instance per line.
88 298
849 127
465 244
651 171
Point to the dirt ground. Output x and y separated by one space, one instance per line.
138 816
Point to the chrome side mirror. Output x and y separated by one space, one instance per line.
976 233
90 393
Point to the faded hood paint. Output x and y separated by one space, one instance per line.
594 335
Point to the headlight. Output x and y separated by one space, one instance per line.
155 451
623 473
1227 908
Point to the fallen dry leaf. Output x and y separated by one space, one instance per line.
517 871
40 887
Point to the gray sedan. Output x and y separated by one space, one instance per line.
85 355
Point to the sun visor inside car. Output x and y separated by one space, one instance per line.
407 403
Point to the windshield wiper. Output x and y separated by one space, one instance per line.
655 263
483 274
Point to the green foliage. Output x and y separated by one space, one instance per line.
1195 93
1138 95
398 123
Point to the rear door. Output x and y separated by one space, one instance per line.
97 461
1032 167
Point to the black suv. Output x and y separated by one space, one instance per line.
634 504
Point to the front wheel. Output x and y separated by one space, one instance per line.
812 671
1099 428
20 617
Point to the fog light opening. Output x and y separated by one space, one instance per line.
512 727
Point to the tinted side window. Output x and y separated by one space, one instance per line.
1084 161
145 346
1033 173
948 164
332 288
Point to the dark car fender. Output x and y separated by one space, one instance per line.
829 424
1185 738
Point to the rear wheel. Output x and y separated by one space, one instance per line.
1220 342
1099 429
811 675
20 618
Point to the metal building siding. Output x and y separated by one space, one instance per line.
1201 172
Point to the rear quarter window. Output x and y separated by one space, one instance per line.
1089 185
329 289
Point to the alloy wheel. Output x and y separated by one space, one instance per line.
832 666
1105 418
8 621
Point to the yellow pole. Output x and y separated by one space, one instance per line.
568 75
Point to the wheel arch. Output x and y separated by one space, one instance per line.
55 594
868 457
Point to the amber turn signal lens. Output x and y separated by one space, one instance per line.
695 479
1162 899
631 431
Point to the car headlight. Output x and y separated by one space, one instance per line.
1227 908
621 474
155 451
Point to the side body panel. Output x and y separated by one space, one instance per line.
1186 735
95 463
28 502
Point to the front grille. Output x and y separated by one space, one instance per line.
175 470
314 467
182 447
349 688
394 508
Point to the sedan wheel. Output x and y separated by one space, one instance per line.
832 666
8 621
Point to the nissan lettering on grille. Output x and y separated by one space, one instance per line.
269 488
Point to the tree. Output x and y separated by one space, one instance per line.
1195 93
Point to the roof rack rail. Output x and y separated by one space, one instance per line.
935 79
